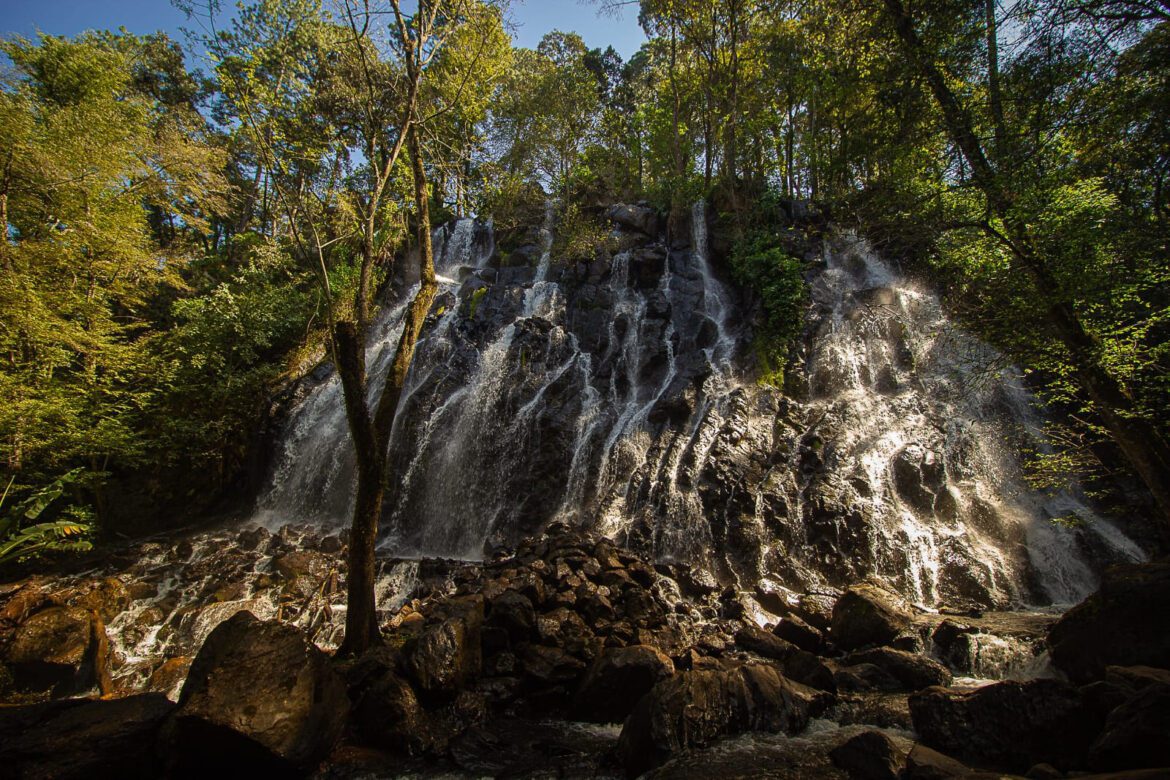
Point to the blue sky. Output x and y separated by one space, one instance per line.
532 19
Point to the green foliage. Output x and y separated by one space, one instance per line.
578 234
473 303
21 540
213 371
761 263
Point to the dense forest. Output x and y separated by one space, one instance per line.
182 241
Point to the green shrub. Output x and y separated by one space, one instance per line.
760 263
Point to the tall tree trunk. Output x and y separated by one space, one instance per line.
371 435
1137 437
361 627
995 96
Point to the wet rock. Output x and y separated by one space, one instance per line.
1137 733
912 671
564 628
761 642
865 677
867 615
1010 725
792 629
692 709
618 678
523 256
260 696
301 563
168 677
549 664
1122 624
922 763
919 476
993 645
808 669
1137 678
514 613
449 655
108 597
59 649
870 755
640 218
816 609
79 739
21 600
884 710
387 715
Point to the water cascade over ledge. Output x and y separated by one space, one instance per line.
615 393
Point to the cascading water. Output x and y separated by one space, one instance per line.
922 425
606 392
313 477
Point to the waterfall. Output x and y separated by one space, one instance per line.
926 424
313 477
610 394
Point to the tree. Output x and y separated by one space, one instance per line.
1015 214
102 179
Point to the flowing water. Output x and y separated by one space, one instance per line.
614 394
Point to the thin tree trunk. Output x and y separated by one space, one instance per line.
993 89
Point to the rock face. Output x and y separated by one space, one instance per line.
763 643
388 715
617 680
867 615
1136 733
692 709
78 739
913 672
259 694
1009 725
1123 623
448 655
870 755
62 649
642 219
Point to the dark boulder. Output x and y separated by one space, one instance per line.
1137 733
761 642
83 738
1123 623
60 649
867 615
808 669
514 613
548 665
913 672
792 629
870 755
259 696
642 219
387 715
922 763
617 680
861 677
1010 725
448 655
692 709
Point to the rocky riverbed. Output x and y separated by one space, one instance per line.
566 656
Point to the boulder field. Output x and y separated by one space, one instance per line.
571 656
